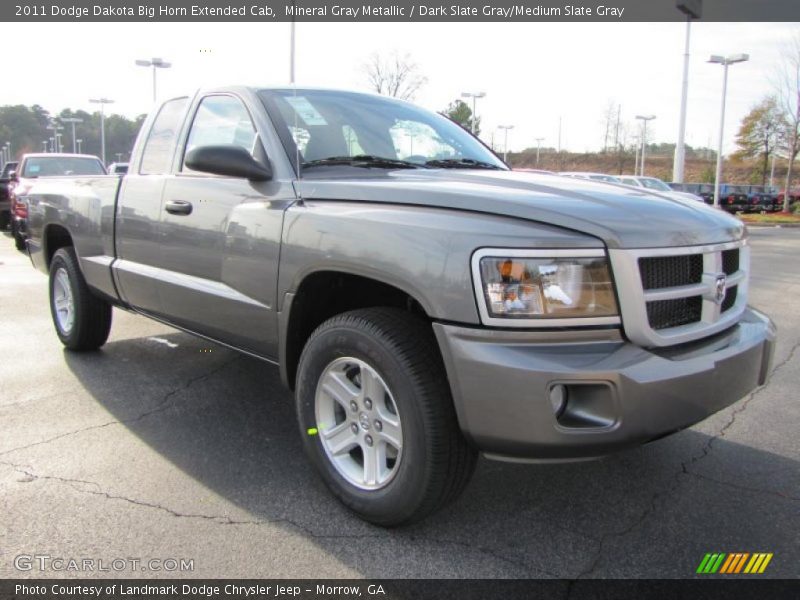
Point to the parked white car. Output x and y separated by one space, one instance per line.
593 176
656 185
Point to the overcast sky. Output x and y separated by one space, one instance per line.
532 74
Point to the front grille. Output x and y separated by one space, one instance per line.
730 298
670 296
663 314
670 271
730 261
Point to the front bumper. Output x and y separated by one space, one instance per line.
622 395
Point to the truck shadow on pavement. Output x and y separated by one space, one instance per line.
225 420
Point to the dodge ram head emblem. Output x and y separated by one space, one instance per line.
720 291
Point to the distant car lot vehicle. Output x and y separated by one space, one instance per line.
732 198
763 199
118 168
592 176
794 196
656 185
5 196
35 166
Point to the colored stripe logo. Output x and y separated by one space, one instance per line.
734 563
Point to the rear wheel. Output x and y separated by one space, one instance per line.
377 417
19 239
82 320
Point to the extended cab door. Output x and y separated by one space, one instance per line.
138 217
220 237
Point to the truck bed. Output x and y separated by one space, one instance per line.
85 207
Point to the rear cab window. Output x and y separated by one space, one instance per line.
159 147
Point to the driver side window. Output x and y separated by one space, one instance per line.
221 120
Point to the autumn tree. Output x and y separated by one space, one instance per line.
394 75
759 133
460 112
787 92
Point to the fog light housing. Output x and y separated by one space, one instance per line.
558 399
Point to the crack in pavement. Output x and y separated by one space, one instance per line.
684 470
162 405
743 404
77 485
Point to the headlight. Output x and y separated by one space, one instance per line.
541 285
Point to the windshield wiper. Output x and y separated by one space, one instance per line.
363 160
461 163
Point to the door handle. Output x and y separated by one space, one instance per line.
178 207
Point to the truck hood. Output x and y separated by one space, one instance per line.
621 216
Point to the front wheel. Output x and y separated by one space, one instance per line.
82 320
377 417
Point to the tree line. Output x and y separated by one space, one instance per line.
26 129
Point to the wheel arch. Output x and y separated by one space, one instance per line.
323 294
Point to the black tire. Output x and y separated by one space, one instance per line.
91 322
19 239
437 462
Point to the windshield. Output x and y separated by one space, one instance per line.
655 184
49 166
327 127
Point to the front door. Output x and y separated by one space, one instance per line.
220 239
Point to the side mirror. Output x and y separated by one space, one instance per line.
12 176
228 160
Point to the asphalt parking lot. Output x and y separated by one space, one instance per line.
164 446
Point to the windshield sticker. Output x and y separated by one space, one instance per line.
33 168
305 110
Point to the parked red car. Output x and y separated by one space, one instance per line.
33 166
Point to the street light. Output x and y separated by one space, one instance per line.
505 143
102 102
156 63
55 128
474 96
44 145
79 145
725 61
644 119
72 120
538 143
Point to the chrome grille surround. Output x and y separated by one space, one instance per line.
633 298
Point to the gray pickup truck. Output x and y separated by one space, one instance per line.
423 302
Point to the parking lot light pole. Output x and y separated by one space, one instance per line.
155 63
79 145
538 144
644 119
474 96
693 9
72 120
44 145
725 61
54 127
102 102
505 142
